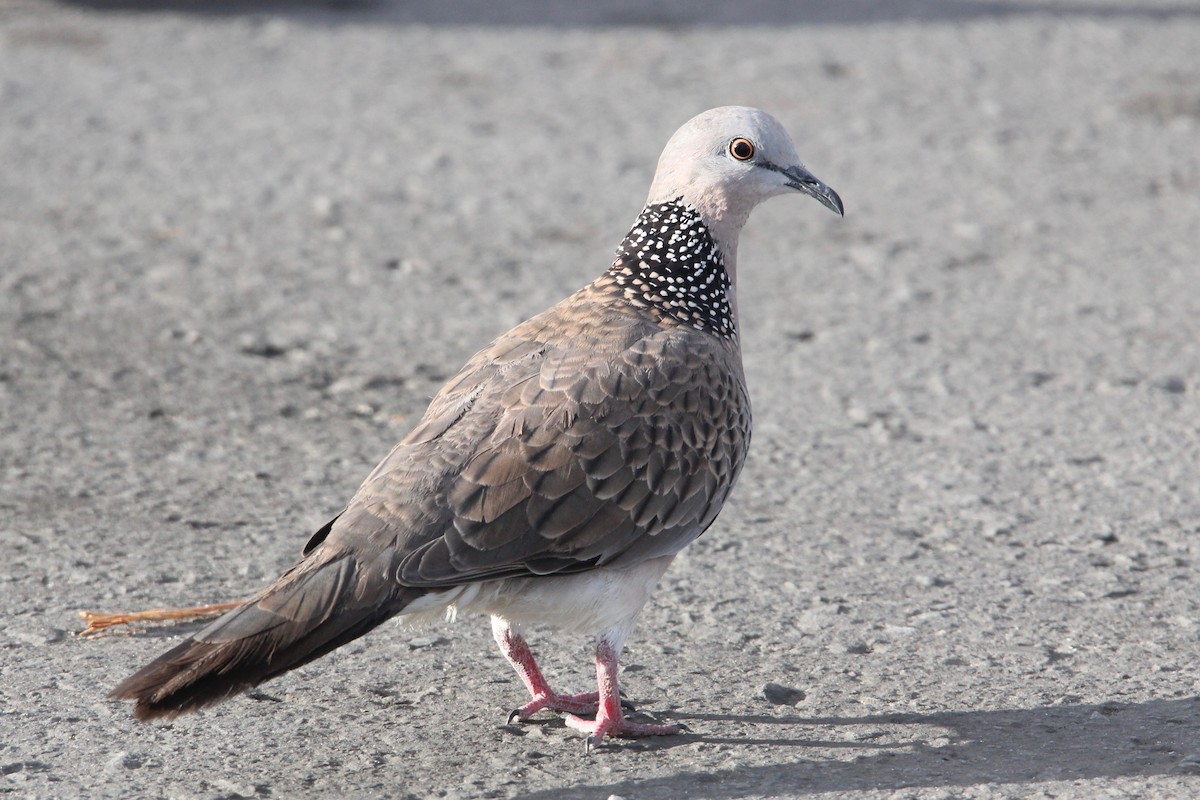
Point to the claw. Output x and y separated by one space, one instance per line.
515 714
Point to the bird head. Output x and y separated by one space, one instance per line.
728 160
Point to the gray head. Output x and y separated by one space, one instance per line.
728 160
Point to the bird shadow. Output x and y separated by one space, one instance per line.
672 14
913 750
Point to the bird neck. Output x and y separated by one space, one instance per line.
671 262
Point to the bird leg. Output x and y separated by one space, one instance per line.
516 650
610 717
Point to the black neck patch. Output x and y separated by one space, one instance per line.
670 262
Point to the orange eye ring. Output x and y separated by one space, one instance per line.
741 149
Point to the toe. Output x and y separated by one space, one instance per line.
601 727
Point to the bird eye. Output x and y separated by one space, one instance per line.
741 149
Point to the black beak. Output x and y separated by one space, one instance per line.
802 180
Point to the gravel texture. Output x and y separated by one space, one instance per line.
243 247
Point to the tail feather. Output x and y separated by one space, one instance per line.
319 605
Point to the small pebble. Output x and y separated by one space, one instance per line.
780 695
1172 384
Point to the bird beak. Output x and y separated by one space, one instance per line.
802 180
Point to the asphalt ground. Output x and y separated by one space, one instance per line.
242 244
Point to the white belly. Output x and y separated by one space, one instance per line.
589 602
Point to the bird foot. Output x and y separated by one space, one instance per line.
583 703
602 726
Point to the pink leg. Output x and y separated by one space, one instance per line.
610 718
516 650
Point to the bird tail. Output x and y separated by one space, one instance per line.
325 601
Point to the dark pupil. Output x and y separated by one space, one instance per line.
742 149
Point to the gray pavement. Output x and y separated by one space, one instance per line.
244 243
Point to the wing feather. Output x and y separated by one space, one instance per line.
563 445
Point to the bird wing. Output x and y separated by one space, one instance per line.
586 436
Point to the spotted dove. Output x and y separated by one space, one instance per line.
556 476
